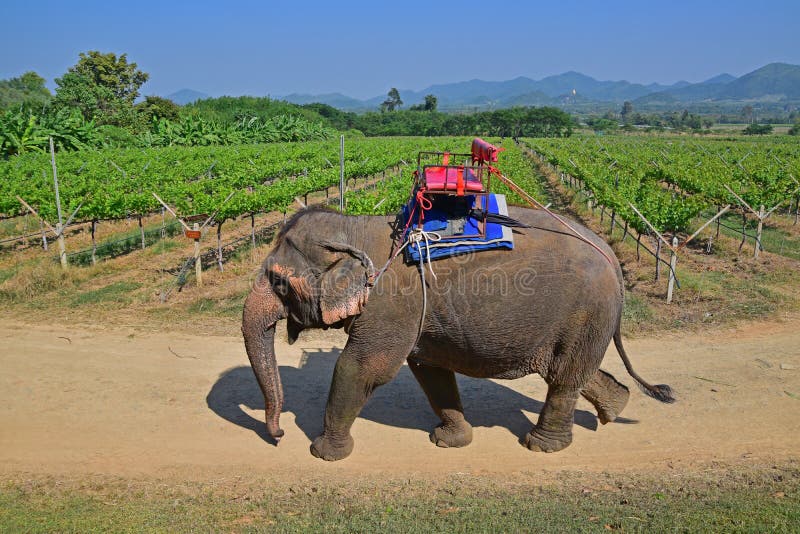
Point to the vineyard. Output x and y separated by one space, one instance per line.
115 184
653 187
672 182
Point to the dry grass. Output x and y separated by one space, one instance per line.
138 288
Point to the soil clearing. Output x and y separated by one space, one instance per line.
78 401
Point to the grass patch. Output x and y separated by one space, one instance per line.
116 292
165 245
773 238
636 310
747 297
31 280
229 306
767 501
5 274
126 243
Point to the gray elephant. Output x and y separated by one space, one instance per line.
549 306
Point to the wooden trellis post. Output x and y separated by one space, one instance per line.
58 231
673 261
674 247
761 215
62 248
198 264
196 232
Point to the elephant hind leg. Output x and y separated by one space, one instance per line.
607 395
442 391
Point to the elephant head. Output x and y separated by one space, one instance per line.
313 283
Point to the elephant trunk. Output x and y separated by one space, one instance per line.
262 310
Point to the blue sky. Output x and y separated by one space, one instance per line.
364 48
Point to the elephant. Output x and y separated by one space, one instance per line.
551 306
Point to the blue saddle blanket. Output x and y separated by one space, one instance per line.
437 221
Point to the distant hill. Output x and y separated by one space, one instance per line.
773 83
720 78
482 93
695 92
186 96
336 100
776 82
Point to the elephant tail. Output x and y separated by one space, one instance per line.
660 392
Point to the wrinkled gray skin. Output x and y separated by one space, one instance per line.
550 306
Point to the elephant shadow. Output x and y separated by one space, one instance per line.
400 403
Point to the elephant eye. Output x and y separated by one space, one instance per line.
280 286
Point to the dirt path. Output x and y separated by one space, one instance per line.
77 401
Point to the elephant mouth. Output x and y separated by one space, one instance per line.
293 329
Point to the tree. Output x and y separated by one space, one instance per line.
602 124
102 87
431 102
392 101
27 90
429 105
795 129
747 113
627 111
758 129
156 107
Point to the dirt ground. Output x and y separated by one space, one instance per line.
80 401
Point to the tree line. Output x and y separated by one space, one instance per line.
97 104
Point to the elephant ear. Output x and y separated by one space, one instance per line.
344 287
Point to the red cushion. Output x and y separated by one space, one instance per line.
484 152
446 179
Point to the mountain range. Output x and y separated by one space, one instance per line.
773 83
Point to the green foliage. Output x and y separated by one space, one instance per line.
115 137
341 120
230 109
22 131
627 111
27 91
115 183
389 195
393 100
795 129
602 124
103 87
155 107
695 171
758 129
191 130
512 122
429 105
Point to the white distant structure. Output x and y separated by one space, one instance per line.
574 92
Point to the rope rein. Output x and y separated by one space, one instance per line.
536 204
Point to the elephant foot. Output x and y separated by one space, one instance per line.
608 411
452 435
608 396
541 441
325 448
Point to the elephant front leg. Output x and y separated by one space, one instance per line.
354 379
608 396
442 390
553 431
